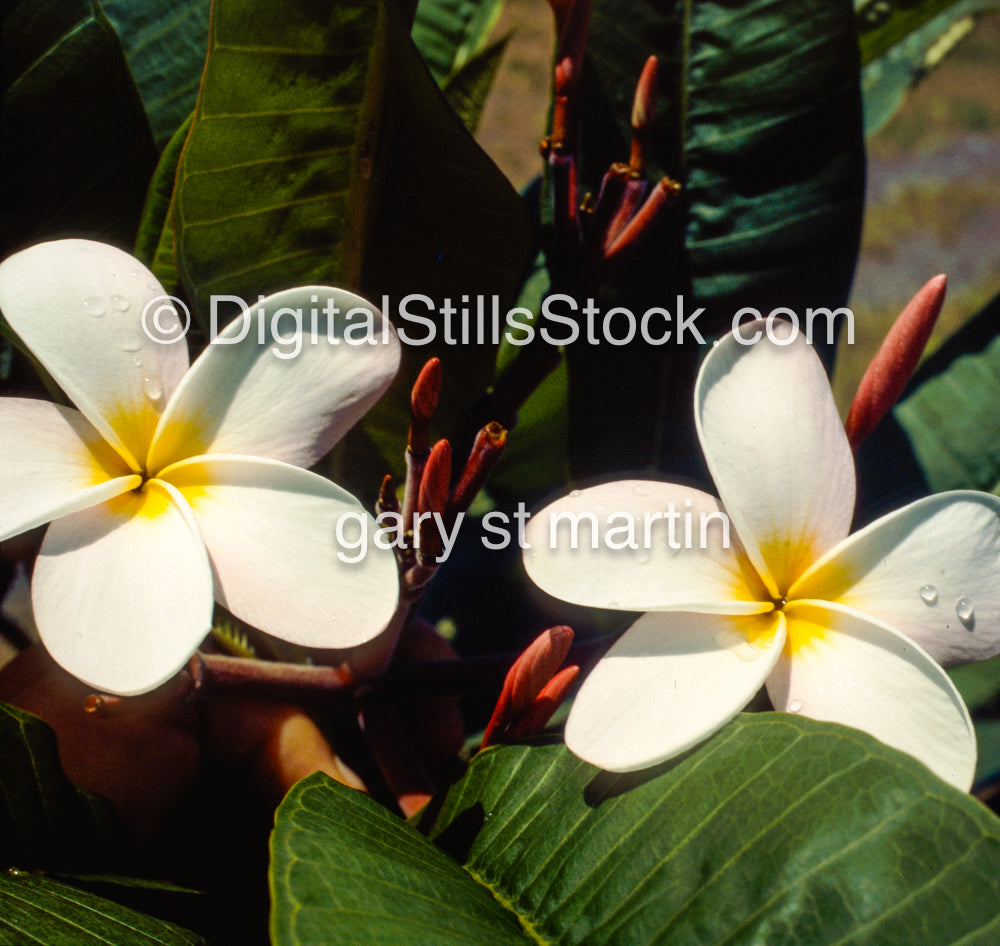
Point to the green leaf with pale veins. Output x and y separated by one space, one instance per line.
38 911
779 830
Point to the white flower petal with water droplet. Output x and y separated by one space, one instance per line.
50 294
951 541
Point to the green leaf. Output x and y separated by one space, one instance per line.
449 32
165 44
911 42
322 152
156 213
759 118
39 910
45 820
468 87
780 829
344 870
952 423
77 152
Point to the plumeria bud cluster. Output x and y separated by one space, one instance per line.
534 688
428 496
589 238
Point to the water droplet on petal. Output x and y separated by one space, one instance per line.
642 556
614 604
94 306
137 361
120 303
575 492
928 594
966 613
641 491
152 388
795 706
130 344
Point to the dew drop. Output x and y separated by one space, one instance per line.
120 303
614 604
795 706
152 388
966 613
642 556
137 361
576 492
641 491
94 306
928 594
130 344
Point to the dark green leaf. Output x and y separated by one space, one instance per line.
165 44
468 87
45 820
759 118
953 424
77 150
39 910
779 830
449 32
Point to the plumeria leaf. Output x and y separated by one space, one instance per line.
759 118
45 820
901 43
779 829
449 32
78 152
334 173
468 87
39 910
165 46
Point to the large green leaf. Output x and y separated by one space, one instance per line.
45 820
323 152
779 830
77 150
165 44
35 909
760 121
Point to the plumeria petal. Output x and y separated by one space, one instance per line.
122 592
686 558
930 570
776 449
282 541
843 667
291 397
54 463
80 307
669 682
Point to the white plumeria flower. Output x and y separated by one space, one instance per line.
840 628
173 485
